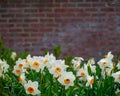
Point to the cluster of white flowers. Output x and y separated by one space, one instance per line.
55 67
82 71
3 68
106 65
58 69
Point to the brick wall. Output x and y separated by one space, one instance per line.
87 28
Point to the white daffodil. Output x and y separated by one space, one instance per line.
48 60
32 87
103 63
90 81
28 59
18 71
22 78
3 67
76 62
91 61
13 55
109 56
21 63
106 72
116 76
57 67
82 73
36 64
67 79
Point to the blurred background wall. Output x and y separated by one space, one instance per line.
87 28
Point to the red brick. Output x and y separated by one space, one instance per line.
22 15
46 30
3 20
92 0
53 5
84 5
7 5
53 15
31 10
30 20
6 25
76 10
23 34
61 0
45 10
98 4
76 1
37 25
38 15
15 30
14 10
47 20
15 20
39 34
108 9
91 9
22 25
15 1
31 30
68 5
3 30
83 14
61 10
8 15
21 5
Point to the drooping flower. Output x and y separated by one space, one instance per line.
13 55
32 87
67 79
76 62
109 56
91 61
90 81
22 78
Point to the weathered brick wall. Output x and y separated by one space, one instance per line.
87 28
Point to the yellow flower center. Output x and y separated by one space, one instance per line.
78 67
45 61
20 65
20 79
36 64
104 63
58 69
67 81
91 81
18 71
30 89
83 74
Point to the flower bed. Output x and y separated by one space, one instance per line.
46 75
